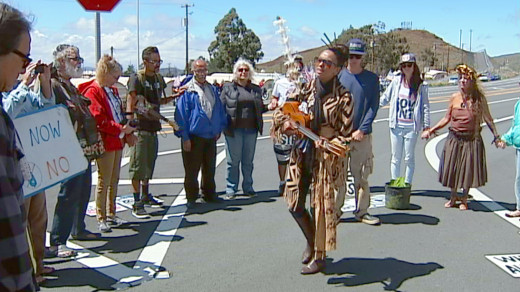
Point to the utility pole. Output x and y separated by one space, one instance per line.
460 39
98 37
470 33
186 24
138 49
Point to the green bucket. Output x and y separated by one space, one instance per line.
397 197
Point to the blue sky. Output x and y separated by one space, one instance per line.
495 24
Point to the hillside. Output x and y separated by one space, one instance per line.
447 55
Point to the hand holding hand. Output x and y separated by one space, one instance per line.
186 145
273 104
131 140
127 129
358 135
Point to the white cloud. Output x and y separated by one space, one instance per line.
308 31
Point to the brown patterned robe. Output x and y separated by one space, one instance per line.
328 173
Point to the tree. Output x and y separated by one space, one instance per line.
233 40
129 70
428 57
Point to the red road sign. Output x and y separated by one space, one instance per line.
98 5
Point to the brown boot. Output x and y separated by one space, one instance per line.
304 220
314 267
307 254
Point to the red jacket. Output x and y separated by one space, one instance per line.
100 109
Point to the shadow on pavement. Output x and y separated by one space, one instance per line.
69 277
401 218
390 272
478 206
202 207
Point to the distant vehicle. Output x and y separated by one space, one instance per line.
484 77
495 77
453 80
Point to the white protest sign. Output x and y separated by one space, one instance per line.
510 263
51 148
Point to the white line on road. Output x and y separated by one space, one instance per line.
499 210
443 110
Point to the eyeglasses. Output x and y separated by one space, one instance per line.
201 71
153 62
407 65
26 59
77 59
326 62
243 70
355 57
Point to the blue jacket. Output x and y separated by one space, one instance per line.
421 110
192 119
22 100
512 136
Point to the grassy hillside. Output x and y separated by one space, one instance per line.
448 56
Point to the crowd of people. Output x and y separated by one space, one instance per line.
336 107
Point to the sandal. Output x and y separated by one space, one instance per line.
86 235
463 206
449 204
40 280
48 270
513 214
62 251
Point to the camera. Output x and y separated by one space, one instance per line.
39 68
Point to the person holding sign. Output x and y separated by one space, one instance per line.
409 114
107 109
16 273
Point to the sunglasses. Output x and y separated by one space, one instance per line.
201 71
355 57
26 59
407 65
243 70
326 62
77 59
159 62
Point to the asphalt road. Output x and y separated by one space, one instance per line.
253 244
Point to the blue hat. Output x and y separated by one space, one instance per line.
356 47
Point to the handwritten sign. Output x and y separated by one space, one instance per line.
510 263
51 148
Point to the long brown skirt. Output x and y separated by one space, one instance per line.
463 162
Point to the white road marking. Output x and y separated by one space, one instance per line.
443 110
148 265
484 200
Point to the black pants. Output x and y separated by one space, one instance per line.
202 155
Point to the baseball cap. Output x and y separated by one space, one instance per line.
407 58
356 47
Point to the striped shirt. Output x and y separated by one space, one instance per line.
16 272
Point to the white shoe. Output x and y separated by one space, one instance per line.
103 226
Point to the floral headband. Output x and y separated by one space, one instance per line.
467 71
